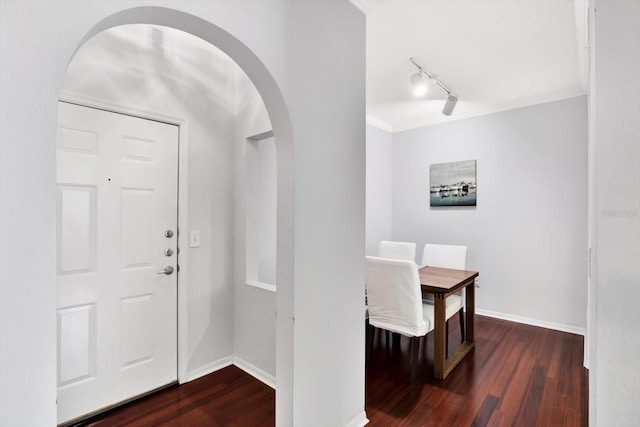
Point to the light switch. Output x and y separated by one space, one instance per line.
194 239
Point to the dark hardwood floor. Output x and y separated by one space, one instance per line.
228 397
517 375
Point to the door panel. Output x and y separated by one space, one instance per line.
137 233
77 332
117 196
77 229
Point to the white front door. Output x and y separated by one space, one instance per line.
117 186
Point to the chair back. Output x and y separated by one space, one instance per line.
397 250
445 256
394 297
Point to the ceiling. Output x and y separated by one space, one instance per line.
494 55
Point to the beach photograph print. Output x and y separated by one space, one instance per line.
453 184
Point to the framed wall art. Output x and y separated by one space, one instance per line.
453 184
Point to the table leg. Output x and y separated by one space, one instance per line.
395 341
471 310
439 336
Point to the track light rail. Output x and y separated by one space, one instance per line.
436 81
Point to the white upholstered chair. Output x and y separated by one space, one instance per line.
395 303
447 256
397 250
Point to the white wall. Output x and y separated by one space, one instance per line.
320 134
379 151
166 75
615 378
329 212
266 209
254 308
527 236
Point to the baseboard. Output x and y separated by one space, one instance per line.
359 420
250 369
255 372
533 322
209 368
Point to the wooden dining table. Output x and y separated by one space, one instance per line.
443 282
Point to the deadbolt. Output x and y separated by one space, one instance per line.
168 233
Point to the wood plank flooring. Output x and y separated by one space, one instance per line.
517 375
228 397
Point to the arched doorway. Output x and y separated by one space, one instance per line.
257 72
296 43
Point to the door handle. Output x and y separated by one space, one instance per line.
167 270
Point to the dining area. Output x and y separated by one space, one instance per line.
414 300
434 358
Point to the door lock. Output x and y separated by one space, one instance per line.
167 270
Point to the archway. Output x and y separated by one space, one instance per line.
279 117
299 43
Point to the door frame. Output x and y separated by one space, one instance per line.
183 205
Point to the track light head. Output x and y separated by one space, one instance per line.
422 78
419 82
449 105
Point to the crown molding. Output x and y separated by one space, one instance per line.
361 5
380 124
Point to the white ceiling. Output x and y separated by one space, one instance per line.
493 54
155 60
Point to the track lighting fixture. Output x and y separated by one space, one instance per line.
420 82
449 105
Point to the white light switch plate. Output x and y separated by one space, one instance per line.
194 239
